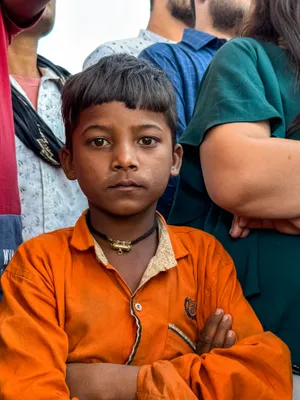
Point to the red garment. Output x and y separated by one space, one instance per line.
30 86
9 192
10 205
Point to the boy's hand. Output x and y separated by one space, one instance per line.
217 333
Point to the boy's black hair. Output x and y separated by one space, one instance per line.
122 78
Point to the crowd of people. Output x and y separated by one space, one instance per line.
149 230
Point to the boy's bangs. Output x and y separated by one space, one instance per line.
119 78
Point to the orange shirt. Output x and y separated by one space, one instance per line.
63 302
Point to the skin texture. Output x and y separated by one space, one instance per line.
250 175
113 146
112 143
182 10
22 53
252 178
168 20
221 18
217 333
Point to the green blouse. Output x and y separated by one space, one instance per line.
247 81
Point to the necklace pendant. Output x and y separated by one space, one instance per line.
120 246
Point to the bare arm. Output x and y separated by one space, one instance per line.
102 381
23 12
250 174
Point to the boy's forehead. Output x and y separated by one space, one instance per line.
115 113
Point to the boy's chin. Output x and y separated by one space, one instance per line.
129 210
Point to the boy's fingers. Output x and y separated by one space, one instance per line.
210 329
229 340
220 336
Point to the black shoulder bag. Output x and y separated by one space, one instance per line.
30 127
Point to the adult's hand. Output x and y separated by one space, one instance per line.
217 333
241 226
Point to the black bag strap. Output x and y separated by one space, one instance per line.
30 128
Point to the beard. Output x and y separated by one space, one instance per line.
183 11
226 16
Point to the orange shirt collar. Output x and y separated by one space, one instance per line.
82 239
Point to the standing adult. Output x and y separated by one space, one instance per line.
186 61
168 19
48 199
247 126
14 15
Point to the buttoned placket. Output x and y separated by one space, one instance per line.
156 265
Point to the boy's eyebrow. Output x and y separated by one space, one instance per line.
149 126
96 127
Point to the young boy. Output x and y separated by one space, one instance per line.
121 298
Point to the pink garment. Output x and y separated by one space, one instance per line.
31 88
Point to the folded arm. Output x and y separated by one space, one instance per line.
102 381
33 346
251 174
258 366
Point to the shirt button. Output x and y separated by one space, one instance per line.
138 307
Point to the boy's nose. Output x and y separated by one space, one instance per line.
125 158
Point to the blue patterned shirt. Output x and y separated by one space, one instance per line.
185 64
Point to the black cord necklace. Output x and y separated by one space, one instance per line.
120 246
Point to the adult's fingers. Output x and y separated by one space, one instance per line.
245 233
295 222
235 230
287 227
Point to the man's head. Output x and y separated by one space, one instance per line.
120 119
182 10
226 15
46 23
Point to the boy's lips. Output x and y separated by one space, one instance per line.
125 184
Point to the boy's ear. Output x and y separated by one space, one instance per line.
66 161
177 160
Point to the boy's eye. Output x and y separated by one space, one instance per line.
148 141
99 142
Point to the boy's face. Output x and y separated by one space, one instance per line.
122 158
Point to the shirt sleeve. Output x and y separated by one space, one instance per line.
96 55
33 347
160 55
257 366
232 90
